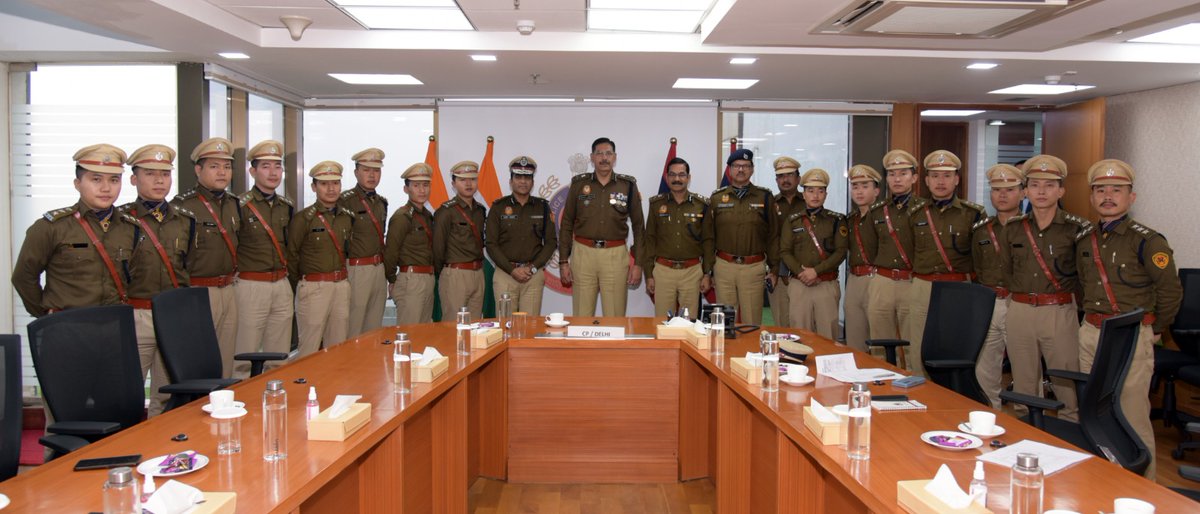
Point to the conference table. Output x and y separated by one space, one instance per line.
552 409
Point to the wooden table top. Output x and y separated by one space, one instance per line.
364 366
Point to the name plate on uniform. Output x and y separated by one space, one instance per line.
595 332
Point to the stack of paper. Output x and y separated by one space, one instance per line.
1050 458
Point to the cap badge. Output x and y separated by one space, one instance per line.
1111 172
220 147
159 156
272 150
1043 166
523 162
105 159
941 158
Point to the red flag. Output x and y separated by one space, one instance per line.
437 189
489 183
662 184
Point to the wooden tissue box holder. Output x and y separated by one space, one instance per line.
750 372
687 334
912 497
430 372
324 428
827 433
485 338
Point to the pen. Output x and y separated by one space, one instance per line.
885 375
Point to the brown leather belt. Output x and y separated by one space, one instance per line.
1040 299
138 303
862 270
366 261
263 276
894 274
684 264
1095 319
1001 292
220 281
472 265
740 259
599 243
332 276
428 270
828 277
943 277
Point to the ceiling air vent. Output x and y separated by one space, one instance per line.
942 18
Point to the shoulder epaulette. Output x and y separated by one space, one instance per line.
917 203
877 205
309 211
184 212
658 197
58 214
383 199
346 211
448 203
1084 230
126 207
836 215
245 197
286 200
717 191
1145 231
982 222
186 194
408 210
1018 217
694 196
581 176
128 217
796 215
1075 219
347 193
630 178
974 205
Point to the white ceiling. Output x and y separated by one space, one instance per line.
796 62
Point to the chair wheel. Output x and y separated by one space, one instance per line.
1177 454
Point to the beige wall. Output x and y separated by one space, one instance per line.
1158 132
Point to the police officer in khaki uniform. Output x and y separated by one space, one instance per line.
787 202
1038 256
1007 190
162 234
317 241
745 233
264 295
678 245
408 258
213 260
458 244
887 308
521 239
864 190
941 228
812 243
602 207
368 286
1124 265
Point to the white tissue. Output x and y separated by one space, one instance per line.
342 403
700 328
823 414
754 358
678 322
173 498
425 359
945 488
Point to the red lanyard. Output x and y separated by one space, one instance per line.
332 237
1112 298
895 239
816 242
1037 254
937 240
378 228
108 263
162 253
220 227
266 224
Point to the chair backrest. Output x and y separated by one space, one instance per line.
1186 327
186 336
10 412
87 364
957 324
1100 414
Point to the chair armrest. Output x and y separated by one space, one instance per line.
62 444
1190 472
1193 428
84 428
1077 377
1035 402
950 364
260 356
887 343
1185 332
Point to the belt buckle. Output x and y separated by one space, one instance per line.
738 259
676 264
598 243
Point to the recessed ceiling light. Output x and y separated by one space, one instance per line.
678 5
981 65
996 123
377 79
508 99
1040 89
800 150
650 100
831 143
743 60
234 55
948 112
483 58
1183 35
636 20
394 3
411 18
791 125
687 83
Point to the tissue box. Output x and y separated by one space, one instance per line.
484 338
827 433
324 428
433 370
216 503
912 497
687 334
750 372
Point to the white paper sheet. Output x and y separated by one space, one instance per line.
1051 458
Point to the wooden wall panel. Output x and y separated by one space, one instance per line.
905 130
800 482
378 473
339 495
449 425
733 453
1075 134
764 465
841 500
491 414
417 483
695 387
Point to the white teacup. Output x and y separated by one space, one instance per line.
1132 506
220 399
555 318
982 422
797 371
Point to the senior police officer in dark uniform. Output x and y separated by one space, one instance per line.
864 190
887 309
1125 265
408 258
787 202
602 207
678 245
458 242
1007 189
368 285
521 238
813 243
317 241
212 260
745 234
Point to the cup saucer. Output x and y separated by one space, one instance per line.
805 380
997 430
559 324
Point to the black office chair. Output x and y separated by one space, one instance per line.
188 342
1185 331
1102 428
87 365
10 413
958 321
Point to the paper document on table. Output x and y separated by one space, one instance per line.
864 375
827 364
1050 458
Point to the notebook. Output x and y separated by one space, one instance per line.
897 405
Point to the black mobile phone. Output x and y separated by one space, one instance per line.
890 398
108 462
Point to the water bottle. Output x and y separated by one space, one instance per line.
274 421
463 340
716 333
858 428
1025 489
504 309
769 346
121 492
402 363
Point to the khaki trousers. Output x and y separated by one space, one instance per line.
322 314
857 326
1135 392
741 285
599 270
526 297
677 287
413 295
223 302
1050 332
151 360
265 320
781 307
368 295
887 310
815 308
461 288
989 369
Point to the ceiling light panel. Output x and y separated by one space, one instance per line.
1184 35
410 18
982 66
631 20
949 112
653 5
234 55
485 58
696 83
743 60
394 3
377 79
1040 89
